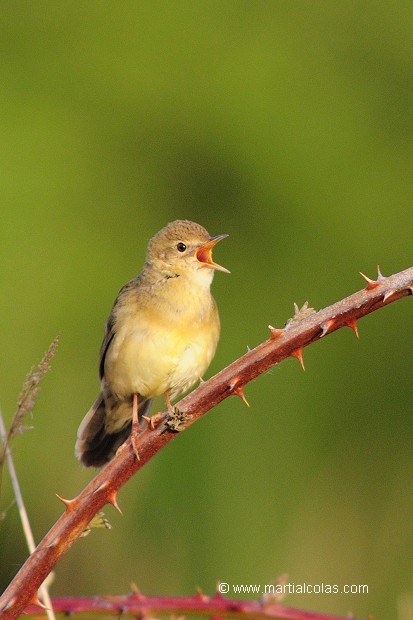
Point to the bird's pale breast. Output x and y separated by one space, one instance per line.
157 349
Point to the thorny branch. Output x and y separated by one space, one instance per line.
139 606
303 329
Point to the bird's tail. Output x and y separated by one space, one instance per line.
104 428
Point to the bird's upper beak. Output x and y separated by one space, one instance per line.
204 254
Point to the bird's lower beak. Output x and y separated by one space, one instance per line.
204 254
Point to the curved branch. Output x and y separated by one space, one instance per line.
303 329
217 606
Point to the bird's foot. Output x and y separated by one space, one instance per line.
134 437
176 419
153 421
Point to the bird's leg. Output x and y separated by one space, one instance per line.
154 420
169 406
175 420
136 429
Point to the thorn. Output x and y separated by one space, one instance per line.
134 588
218 594
352 323
135 592
36 601
104 485
388 294
371 284
380 276
278 594
200 596
67 502
298 354
238 391
275 332
326 327
112 499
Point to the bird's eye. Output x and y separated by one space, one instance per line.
181 247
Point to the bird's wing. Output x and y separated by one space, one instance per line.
110 327
107 339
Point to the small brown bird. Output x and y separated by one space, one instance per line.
160 337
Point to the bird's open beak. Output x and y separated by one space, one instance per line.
204 254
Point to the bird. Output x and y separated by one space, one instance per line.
160 338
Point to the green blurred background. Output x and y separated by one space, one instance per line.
289 126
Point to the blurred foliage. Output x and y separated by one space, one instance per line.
289 126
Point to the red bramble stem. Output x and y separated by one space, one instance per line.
141 606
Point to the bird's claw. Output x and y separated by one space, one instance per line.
153 421
134 441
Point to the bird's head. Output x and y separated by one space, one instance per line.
184 248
